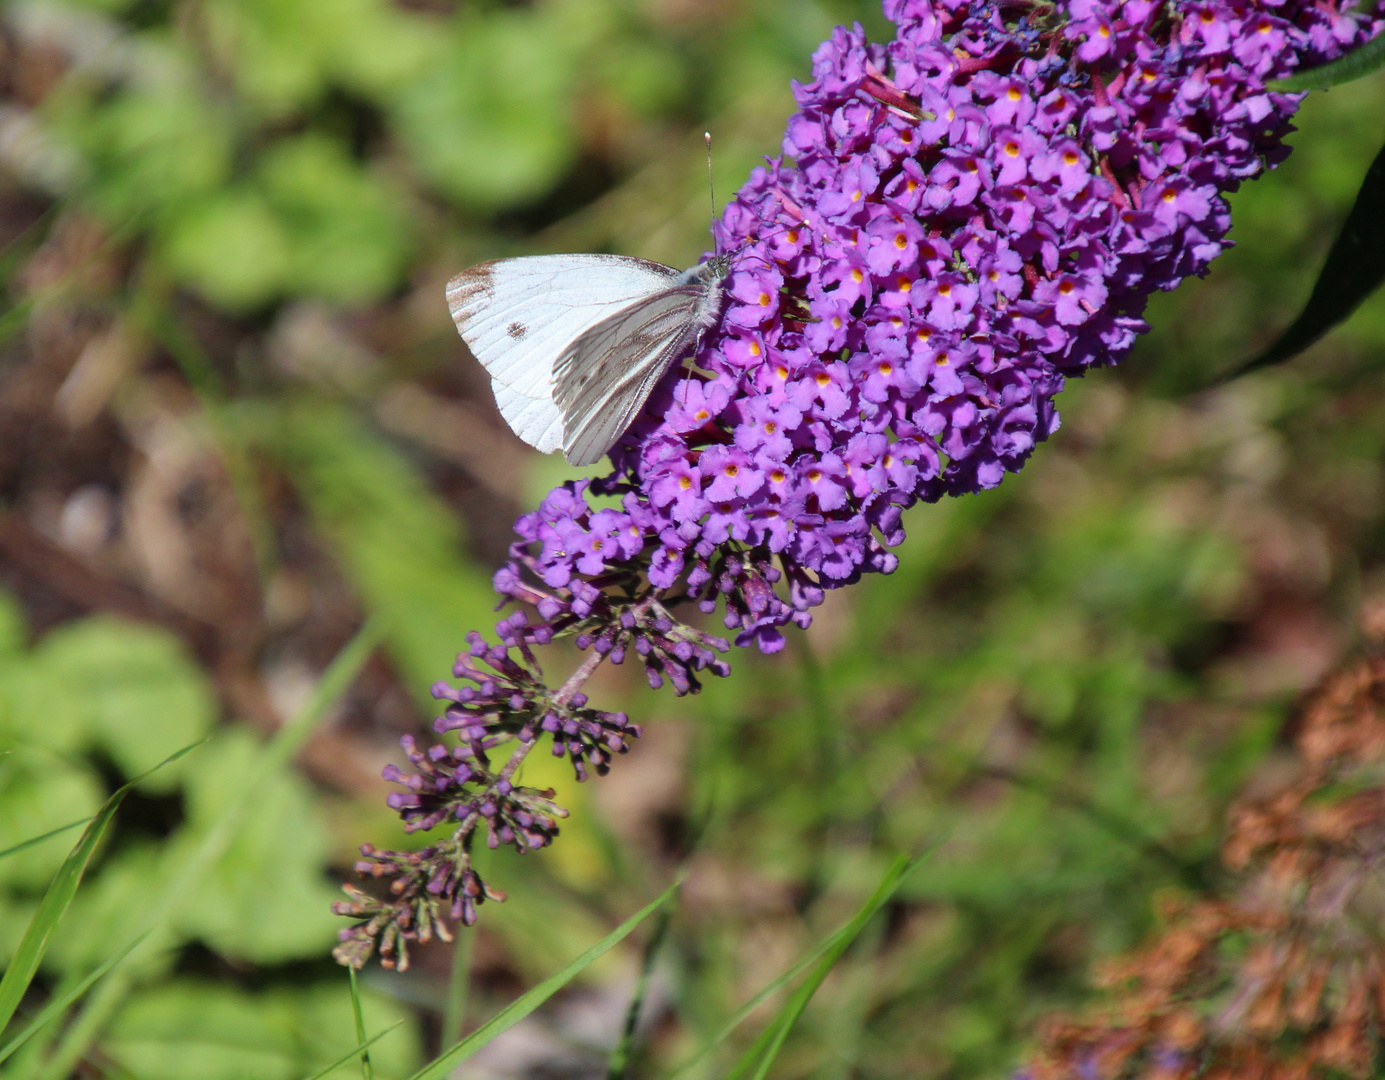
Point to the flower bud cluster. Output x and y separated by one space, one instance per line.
511 701
423 885
612 613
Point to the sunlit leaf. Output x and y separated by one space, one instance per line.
346 238
186 869
62 1002
491 124
232 248
38 799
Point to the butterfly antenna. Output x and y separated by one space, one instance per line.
711 188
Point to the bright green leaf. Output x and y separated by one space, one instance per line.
232 248
141 690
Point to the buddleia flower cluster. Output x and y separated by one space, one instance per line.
961 220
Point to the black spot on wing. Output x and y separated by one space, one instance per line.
517 330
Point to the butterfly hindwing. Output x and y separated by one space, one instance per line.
602 380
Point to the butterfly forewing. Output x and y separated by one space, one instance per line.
602 380
538 421
517 315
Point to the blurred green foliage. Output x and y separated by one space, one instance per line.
99 692
1050 685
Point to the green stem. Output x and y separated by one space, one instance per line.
458 986
367 1069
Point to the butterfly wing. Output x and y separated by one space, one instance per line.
602 380
536 420
517 315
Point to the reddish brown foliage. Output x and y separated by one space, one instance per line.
1284 977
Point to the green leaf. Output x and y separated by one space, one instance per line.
1354 269
1356 64
140 690
12 629
766 1048
186 869
265 899
491 123
348 241
55 902
39 795
152 148
232 248
188 1028
522 1006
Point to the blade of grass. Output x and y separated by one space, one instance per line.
367 1069
764 994
60 1004
14 318
454 1018
766 1048
522 1006
357 1051
620 1056
60 892
32 841
180 880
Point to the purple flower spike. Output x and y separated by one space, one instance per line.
964 218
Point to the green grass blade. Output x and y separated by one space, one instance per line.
764 994
458 985
522 1006
768 991
357 1051
620 1056
62 1003
59 896
766 1048
367 1069
1356 64
276 753
32 841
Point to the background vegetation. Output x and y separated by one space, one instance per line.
235 422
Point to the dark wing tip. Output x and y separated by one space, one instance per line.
469 290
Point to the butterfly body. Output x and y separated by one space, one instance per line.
575 344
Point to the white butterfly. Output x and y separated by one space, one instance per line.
575 344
